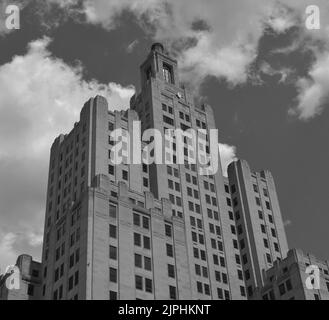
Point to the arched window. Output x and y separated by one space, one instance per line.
167 73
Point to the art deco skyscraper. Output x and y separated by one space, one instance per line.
136 231
260 228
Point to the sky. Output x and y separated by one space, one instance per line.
254 61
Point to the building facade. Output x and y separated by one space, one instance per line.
259 225
201 258
156 231
287 279
23 282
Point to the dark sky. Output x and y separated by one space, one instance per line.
252 115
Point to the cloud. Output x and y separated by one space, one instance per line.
8 255
221 38
227 155
282 72
210 38
40 97
313 91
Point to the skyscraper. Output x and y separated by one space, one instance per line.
259 223
158 231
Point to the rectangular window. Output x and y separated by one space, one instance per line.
113 275
170 250
113 253
168 230
136 220
137 240
138 261
147 264
172 293
171 271
113 231
148 285
146 223
139 282
147 242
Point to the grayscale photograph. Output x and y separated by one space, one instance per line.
164 150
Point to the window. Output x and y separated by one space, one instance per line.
265 243
276 247
113 231
147 264
138 260
170 250
113 212
30 290
139 282
224 278
168 120
220 293
146 223
113 253
71 283
197 270
168 230
113 295
171 271
273 233
147 242
113 275
76 278
111 170
199 287
137 240
207 289
136 220
242 291
148 285
268 206
167 73
145 182
125 175
263 228
172 293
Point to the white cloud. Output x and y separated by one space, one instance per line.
228 44
267 69
227 155
224 47
40 97
8 255
314 90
